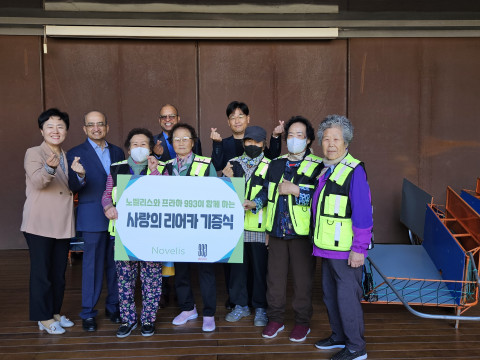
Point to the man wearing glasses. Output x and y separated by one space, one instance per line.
163 149
96 155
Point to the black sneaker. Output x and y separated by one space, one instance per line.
125 329
345 354
329 343
148 329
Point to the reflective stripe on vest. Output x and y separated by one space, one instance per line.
333 229
111 223
198 167
299 214
254 222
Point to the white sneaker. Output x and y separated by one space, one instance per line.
185 316
54 328
208 323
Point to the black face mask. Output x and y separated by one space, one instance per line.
253 151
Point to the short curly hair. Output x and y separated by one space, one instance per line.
140 131
310 131
336 121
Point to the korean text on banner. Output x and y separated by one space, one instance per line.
179 218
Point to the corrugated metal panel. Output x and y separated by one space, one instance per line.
128 80
277 80
21 103
414 103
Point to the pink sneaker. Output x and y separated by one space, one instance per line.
299 333
208 323
272 329
185 316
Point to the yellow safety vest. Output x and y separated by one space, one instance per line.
160 168
198 167
300 214
333 220
255 222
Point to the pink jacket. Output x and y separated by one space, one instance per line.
48 209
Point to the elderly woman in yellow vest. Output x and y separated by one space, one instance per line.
342 232
252 166
186 163
140 162
287 192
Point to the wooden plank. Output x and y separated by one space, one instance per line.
391 331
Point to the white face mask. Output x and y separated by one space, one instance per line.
139 154
296 145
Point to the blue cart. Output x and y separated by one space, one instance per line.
439 267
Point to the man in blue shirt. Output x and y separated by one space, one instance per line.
163 149
96 155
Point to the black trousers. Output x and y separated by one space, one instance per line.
183 287
255 257
48 262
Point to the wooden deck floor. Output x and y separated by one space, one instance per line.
391 332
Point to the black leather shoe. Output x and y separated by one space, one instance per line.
148 329
114 317
89 324
125 329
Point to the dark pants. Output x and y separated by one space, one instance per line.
255 263
298 254
206 277
48 261
226 272
97 260
342 292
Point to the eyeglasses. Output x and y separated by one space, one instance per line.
170 117
184 139
239 117
91 125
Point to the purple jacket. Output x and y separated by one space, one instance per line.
362 219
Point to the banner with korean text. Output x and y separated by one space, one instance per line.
179 219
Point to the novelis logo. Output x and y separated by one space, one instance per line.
163 251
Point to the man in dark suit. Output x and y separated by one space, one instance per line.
96 155
163 149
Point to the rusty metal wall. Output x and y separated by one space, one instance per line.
277 80
413 101
20 104
128 80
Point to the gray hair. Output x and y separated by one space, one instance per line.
336 121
